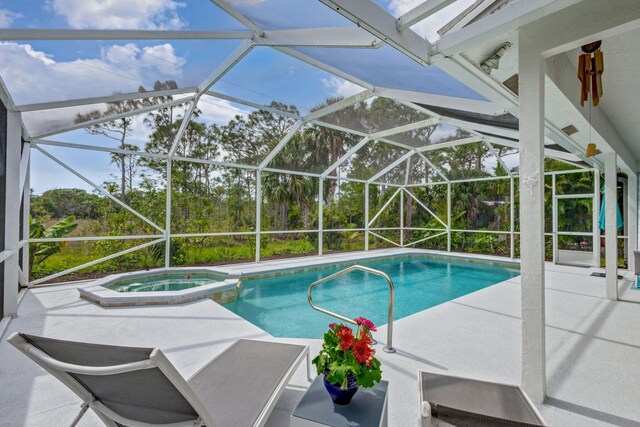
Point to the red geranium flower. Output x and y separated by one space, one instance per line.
364 336
366 323
332 326
345 336
363 352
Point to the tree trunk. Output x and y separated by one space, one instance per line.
408 209
408 215
283 217
276 207
123 167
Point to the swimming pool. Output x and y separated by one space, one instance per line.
165 282
278 303
161 286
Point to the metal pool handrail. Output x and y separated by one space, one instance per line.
389 347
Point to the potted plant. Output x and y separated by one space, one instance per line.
347 360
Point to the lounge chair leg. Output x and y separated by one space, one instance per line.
308 366
83 410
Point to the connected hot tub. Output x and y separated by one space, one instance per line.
163 286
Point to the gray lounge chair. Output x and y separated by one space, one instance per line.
457 401
140 387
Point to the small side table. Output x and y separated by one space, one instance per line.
368 408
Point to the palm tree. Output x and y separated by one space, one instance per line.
328 145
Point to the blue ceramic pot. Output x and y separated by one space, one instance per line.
338 395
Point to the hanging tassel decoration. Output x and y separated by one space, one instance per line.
590 71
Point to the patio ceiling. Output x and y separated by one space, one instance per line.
613 125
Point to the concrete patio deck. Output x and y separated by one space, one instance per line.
593 348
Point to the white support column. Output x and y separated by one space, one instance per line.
632 219
448 217
24 162
512 217
531 89
611 225
12 213
366 216
167 225
258 212
320 213
625 219
402 218
596 224
26 208
554 218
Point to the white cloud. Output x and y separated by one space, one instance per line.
7 17
163 58
120 14
341 87
429 27
119 68
218 111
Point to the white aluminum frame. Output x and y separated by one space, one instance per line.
375 28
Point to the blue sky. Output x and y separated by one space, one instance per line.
56 70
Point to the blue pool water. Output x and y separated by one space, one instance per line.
278 304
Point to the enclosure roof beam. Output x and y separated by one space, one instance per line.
421 12
183 128
226 6
391 166
343 103
104 99
374 19
495 130
226 65
97 148
339 128
405 128
290 134
253 105
130 113
343 37
396 144
364 141
449 144
452 102
462 124
470 127
5 96
549 152
466 16
214 162
434 167
493 151
67 34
